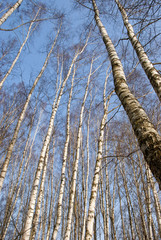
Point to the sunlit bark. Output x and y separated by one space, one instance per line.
112 208
107 190
65 154
39 198
87 176
148 138
120 202
75 165
10 11
142 217
93 196
127 198
148 199
157 203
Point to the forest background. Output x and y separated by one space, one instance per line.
80 151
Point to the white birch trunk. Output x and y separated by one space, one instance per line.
39 199
140 205
121 211
50 215
107 191
86 182
19 211
102 204
51 201
75 165
10 11
146 188
22 115
65 154
148 138
45 210
92 202
112 215
157 202
148 199
107 204
151 72
122 170
19 52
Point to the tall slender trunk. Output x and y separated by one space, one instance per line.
10 11
86 181
95 227
45 213
75 216
51 202
93 197
151 72
112 207
121 211
19 211
102 204
148 199
156 203
39 199
143 222
107 192
148 138
22 115
75 165
65 154
122 170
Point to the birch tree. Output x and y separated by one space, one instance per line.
75 170
10 11
92 202
75 166
87 176
40 196
61 191
151 72
148 138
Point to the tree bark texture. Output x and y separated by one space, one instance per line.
10 11
148 138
